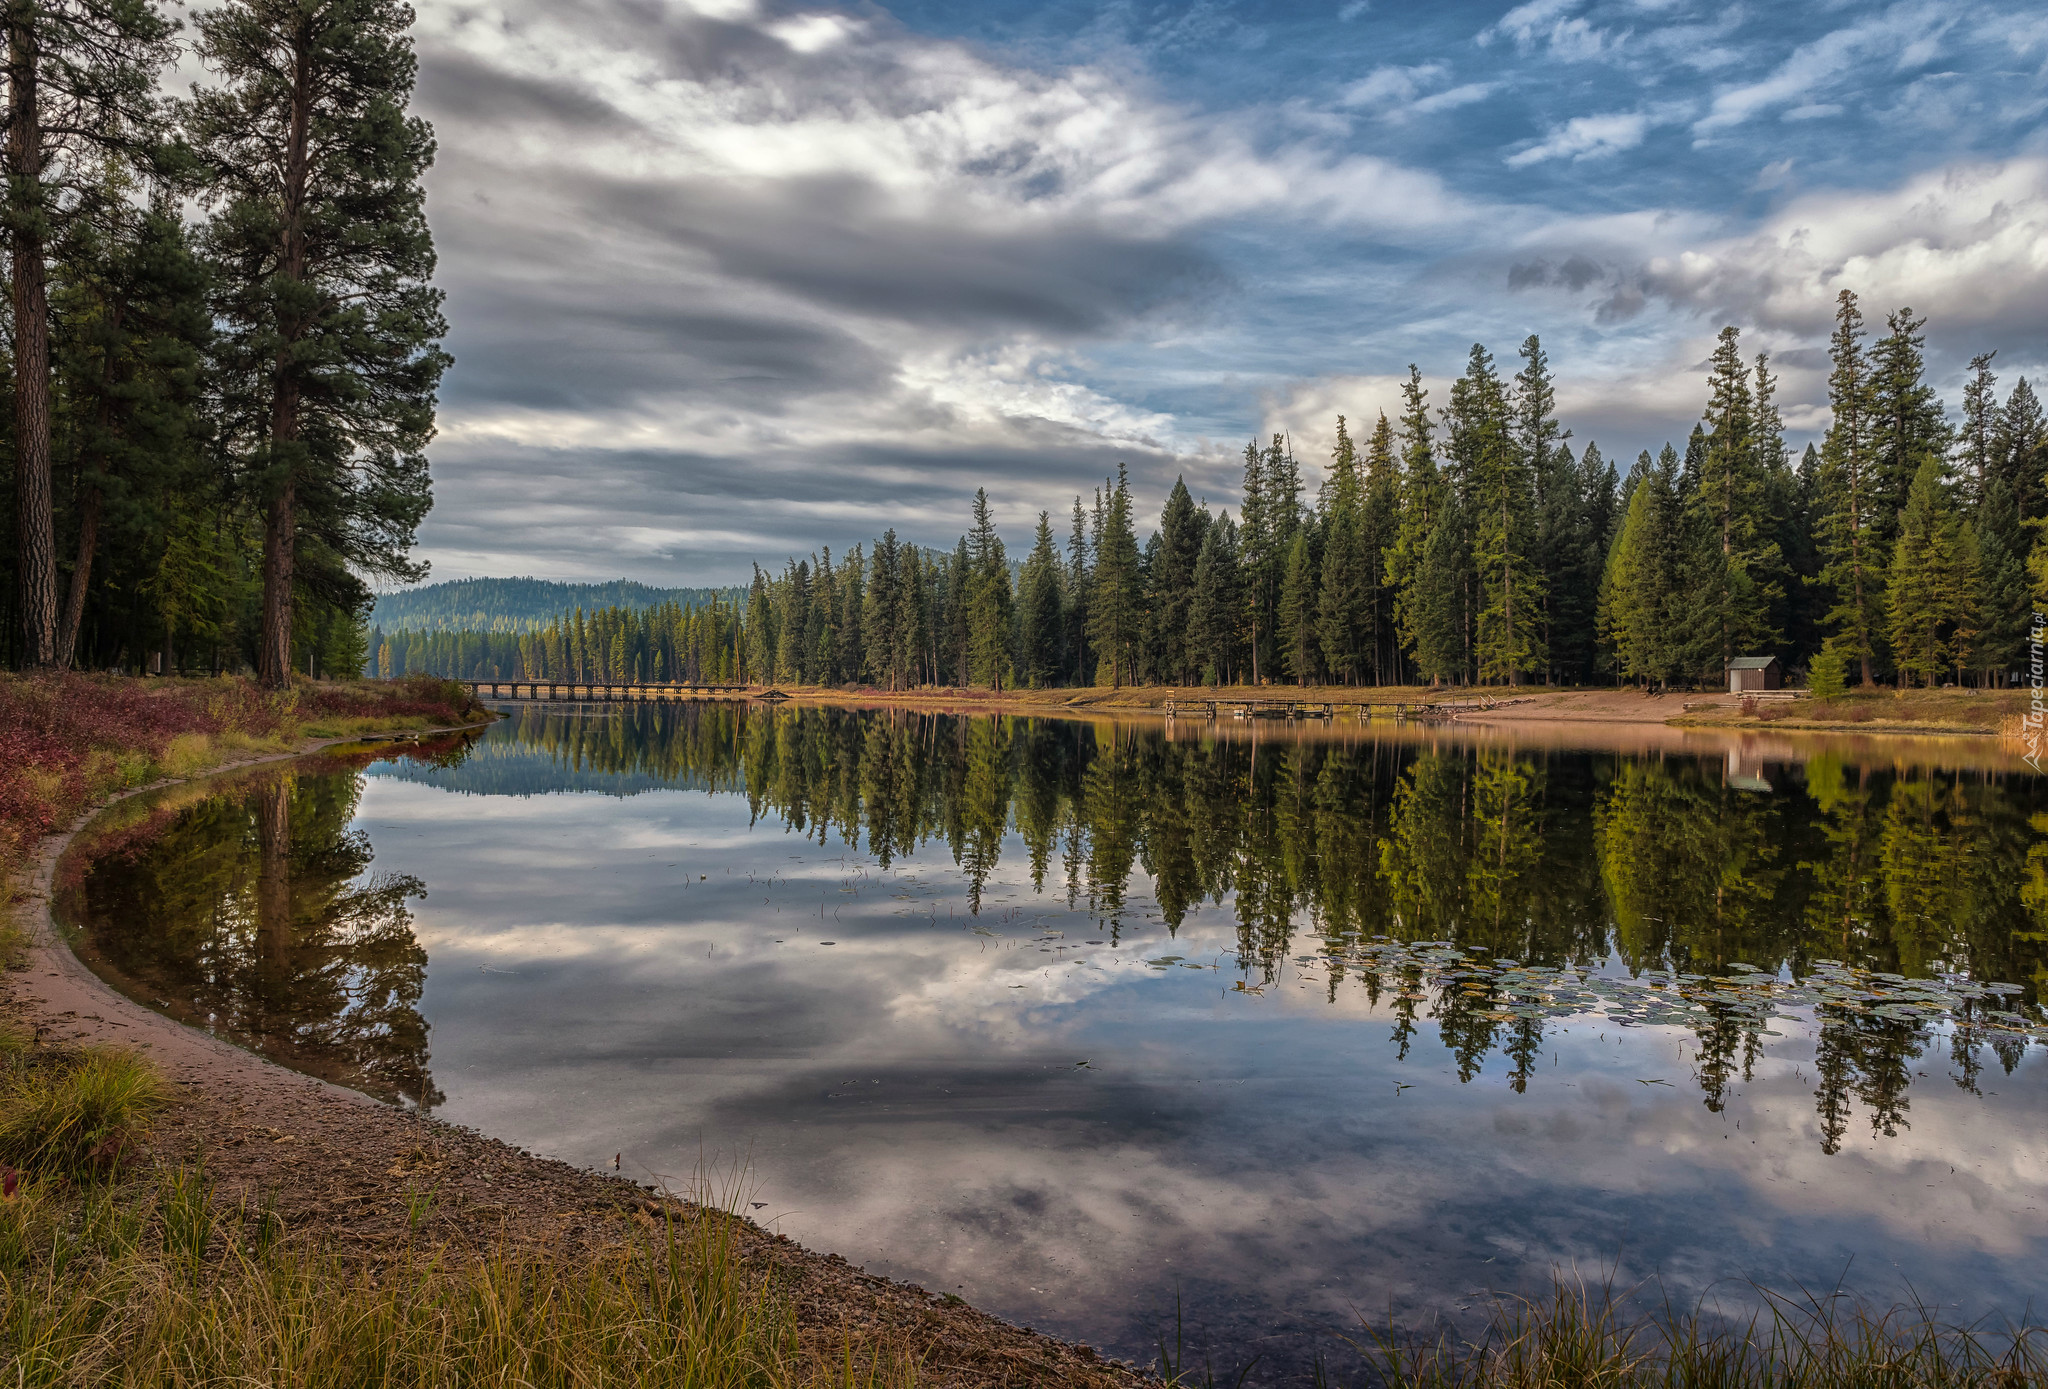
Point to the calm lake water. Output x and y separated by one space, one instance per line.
1077 1019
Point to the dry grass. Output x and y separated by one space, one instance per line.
108 1279
79 1115
1586 1337
175 1292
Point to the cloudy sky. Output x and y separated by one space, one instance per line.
731 279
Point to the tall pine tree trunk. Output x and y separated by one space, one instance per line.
280 520
81 575
36 537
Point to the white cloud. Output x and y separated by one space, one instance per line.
1453 98
1967 246
1386 86
1909 33
1568 37
1585 137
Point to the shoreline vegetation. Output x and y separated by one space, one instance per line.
1937 713
199 1216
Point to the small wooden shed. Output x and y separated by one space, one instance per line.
1746 673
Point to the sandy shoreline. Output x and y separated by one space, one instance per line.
339 1165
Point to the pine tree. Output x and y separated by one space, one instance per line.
1554 477
1976 443
1343 612
1637 590
1435 608
132 295
1850 543
1041 624
331 331
1297 611
1217 603
1734 560
988 601
1507 636
1256 554
1116 591
81 91
1421 511
2020 451
1929 589
879 614
1381 519
1170 581
1074 598
1908 423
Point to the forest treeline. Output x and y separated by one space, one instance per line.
695 642
520 605
223 343
1457 544
1470 543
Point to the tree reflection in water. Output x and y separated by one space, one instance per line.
265 924
1661 866
1566 859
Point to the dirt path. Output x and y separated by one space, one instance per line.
340 1166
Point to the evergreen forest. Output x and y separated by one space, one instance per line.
223 343
1462 543
1470 544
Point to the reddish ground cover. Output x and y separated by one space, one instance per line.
66 740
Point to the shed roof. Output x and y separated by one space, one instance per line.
1752 662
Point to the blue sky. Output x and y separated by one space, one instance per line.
733 279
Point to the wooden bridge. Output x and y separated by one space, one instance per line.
613 691
1420 710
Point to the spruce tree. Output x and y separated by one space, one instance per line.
1116 592
1508 632
1851 545
1214 612
988 599
1170 581
330 328
879 614
1736 560
1380 525
1908 423
1040 623
1343 610
1297 611
1553 477
1257 557
1074 597
81 91
1929 588
1420 512
2020 451
1976 442
1637 594
1435 607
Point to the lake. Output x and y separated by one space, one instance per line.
1330 1022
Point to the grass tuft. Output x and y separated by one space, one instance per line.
1587 1337
78 1115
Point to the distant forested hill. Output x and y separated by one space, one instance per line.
521 605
